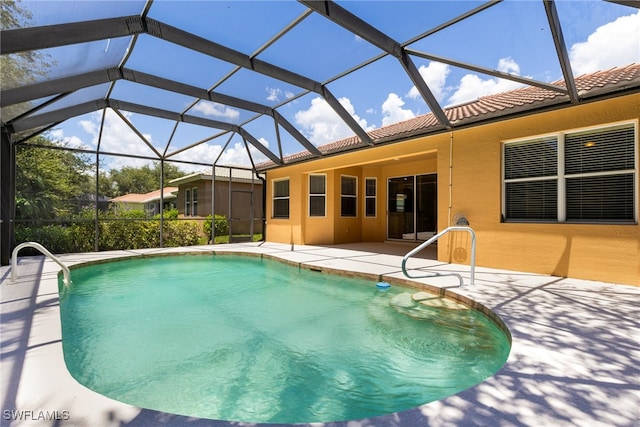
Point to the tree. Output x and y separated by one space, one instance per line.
22 68
49 179
127 179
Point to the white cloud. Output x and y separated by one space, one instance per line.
392 111
237 155
117 137
215 109
508 65
89 126
614 44
202 153
273 94
435 75
69 141
473 86
322 125
234 155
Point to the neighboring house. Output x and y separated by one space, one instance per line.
88 201
239 198
548 186
149 202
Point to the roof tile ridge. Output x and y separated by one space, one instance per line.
499 101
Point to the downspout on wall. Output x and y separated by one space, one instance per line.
450 179
264 206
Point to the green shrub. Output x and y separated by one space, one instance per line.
221 224
118 230
168 214
56 238
181 233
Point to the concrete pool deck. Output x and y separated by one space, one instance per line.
574 361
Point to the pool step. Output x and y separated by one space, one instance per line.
423 305
431 300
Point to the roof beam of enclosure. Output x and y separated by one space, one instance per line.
357 26
199 44
134 129
453 21
34 38
561 49
73 83
185 89
35 132
59 35
293 131
630 3
195 144
63 114
57 116
57 86
42 106
489 71
170 115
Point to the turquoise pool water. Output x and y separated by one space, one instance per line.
246 339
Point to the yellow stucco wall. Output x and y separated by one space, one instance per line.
472 185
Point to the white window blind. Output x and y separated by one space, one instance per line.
531 180
599 169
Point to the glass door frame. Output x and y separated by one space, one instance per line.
414 206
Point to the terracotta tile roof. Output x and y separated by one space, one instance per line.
527 98
147 197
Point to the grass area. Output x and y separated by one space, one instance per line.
239 237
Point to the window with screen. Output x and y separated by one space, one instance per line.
348 196
317 195
281 198
194 202
370 193
187 202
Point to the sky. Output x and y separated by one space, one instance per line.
513 37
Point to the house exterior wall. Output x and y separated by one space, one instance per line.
129 206
240 203
470 182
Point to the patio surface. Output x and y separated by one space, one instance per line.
574 360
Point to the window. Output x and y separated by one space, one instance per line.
348 196
317 195
194 202
187 202
281 198
370 197
576 176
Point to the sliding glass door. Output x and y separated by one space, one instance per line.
412 207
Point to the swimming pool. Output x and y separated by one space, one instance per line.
255 340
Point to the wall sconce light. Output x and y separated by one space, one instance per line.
460 219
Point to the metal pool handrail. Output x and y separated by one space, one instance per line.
433 239
14 261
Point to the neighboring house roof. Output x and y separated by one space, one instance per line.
153 196
222 174
486 108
